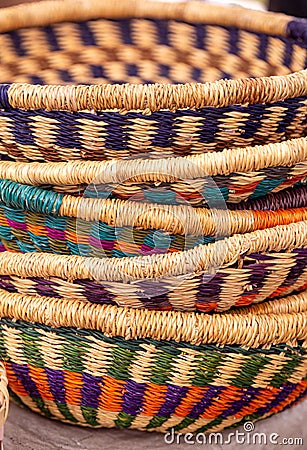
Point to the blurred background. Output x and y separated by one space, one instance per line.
293 7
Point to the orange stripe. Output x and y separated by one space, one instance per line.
243 189
222 401
3 221
111 397
302 288
206 307
72 237
41 380
154 398
73 385
126 195
291 181
127 247
8 248
269 219
189 195
37 230
246 300
261 400
279 291
173 250
14 383
291 398
194 395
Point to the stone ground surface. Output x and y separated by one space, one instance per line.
29 431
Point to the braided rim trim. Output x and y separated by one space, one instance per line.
154 97
36 14
198 259
176 219
245 159
245 329
4 395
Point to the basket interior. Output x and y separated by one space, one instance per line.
143 51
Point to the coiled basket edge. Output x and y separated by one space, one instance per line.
116 367
239 174
240 270
155 89
231 384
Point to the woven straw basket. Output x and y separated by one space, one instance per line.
78 54
108 366
239 174
250 268
125 129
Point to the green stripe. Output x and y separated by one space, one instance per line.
209 359
124 420
90 415
249 370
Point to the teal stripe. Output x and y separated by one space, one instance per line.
30 198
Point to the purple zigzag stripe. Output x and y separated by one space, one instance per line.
133 397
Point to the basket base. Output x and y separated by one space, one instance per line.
103 418
86 378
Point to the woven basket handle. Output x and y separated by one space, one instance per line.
4 400
297 29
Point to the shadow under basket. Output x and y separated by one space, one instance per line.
103 80
105 366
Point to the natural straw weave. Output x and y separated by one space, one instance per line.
250 268
238 173
114 367
4 395
141 77
211 105
268 325
32 219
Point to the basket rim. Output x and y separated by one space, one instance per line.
281 238
4 395
259 326
230 160
176 219
151 97
195 11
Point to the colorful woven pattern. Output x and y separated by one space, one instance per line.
200 192
110 396
60 136
130 295
237 271
234 174
82 376
34 219
132 48
261 276
29 232
144 51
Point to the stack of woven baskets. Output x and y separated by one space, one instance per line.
153 192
